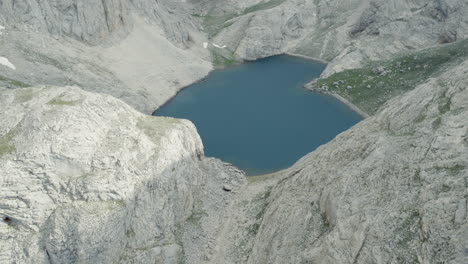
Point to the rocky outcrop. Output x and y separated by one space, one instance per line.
392 189
85 178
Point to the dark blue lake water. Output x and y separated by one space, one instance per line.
258 116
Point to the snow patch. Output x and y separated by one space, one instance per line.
1 29
5 62
205 45
218 46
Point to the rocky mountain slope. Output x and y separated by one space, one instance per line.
138 50
345 33
392 189
145 51
84 178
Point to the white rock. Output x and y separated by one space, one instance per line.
5 62
86 178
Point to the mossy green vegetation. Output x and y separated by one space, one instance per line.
155 127
6 144
213 24
222 60
262 201
58 101
263 6
23 95
371 86
13 83
452 170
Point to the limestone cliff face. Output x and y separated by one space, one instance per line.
84 178
91 21
144 51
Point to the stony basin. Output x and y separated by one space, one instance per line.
258 116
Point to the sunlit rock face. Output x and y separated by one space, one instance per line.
85 178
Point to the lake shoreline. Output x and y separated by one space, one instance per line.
340 98
221 68
253 115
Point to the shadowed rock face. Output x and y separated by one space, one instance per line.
90 21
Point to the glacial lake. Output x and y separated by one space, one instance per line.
258 116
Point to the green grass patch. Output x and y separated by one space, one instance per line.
58 101
13 83
6 144
156 127
455 170
213 24
371 86
23 95
262 6
220 61
452 170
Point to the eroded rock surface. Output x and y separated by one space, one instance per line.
346 33
140 51
85 178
